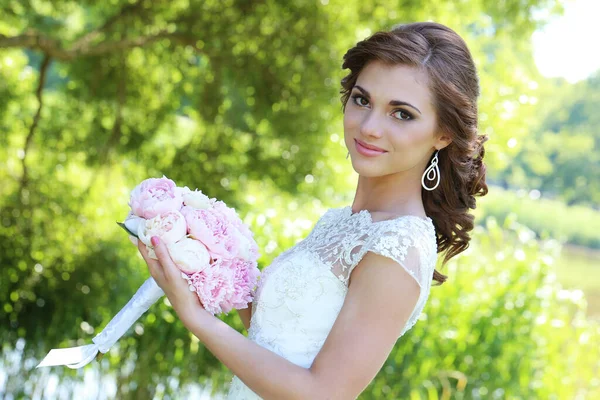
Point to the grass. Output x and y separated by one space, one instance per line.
578 264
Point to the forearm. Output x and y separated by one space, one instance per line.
266 373
246 315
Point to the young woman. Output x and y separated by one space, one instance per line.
328 311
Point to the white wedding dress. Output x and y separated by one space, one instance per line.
301 293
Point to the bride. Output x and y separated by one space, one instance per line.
328 311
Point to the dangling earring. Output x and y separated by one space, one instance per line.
347 155
432 170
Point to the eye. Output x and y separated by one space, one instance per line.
403 115
356 98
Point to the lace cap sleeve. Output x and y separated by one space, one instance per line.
411 244
404 241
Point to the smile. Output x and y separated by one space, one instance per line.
368 150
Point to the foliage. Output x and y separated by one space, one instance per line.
560 156
574 224
501 327
237 98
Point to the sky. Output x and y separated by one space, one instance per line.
568 45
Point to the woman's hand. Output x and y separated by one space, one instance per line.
166 274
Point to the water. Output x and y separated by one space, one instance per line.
579 268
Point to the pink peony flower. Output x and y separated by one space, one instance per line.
214 230
155 196
248 249
195 199
225 285
189 255
207 240
232 217
169 227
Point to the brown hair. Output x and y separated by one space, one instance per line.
453 81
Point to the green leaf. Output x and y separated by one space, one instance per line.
122 225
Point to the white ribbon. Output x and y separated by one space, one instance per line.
77 357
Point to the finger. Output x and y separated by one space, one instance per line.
154 266
162 252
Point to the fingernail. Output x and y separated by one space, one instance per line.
154 240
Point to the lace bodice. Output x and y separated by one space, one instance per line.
301 293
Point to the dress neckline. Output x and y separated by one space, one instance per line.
347 210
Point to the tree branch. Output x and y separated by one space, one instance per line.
91 36
54 49
23 194
36 120
34 41
116 132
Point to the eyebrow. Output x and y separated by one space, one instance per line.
392 103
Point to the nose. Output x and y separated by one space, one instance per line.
371 126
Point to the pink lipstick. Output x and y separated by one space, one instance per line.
368 150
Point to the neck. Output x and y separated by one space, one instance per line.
390 194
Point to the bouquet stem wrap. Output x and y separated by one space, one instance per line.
77 357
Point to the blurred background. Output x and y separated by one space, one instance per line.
241 99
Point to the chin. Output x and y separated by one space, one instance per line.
368 170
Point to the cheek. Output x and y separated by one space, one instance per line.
352 116
412 137
351 125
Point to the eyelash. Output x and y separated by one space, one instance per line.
410 116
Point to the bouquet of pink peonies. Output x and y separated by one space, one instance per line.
214 250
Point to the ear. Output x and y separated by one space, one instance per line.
442 141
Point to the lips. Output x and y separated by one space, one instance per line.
368 150
370 147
